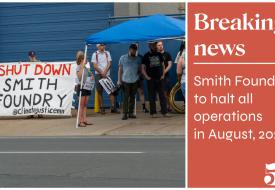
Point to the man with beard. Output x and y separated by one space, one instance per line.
167 58
153 70
128 77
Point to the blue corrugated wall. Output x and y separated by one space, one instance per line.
54 30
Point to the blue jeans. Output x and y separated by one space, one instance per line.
183 89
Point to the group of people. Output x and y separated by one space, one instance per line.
133 69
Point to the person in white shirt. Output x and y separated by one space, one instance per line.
180 61
102 62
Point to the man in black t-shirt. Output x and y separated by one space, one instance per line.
153 71
168 64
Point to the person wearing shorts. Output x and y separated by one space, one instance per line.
86 89
102 62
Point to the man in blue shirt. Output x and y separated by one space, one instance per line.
128 76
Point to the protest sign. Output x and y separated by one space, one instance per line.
36 88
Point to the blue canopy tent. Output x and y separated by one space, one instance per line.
150 28
155 27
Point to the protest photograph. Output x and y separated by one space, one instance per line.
92 94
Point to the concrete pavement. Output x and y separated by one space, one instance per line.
108 124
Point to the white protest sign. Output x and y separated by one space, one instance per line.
36 88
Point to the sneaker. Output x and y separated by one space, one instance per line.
114 111
102 111
132 116
145 110
125 117
154 115
166 115
168 110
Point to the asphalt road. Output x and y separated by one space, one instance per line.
92 162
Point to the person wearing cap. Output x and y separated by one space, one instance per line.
129 66
102 62
167 58
153 69
32 56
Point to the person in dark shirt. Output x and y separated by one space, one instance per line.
141 88
167 58
153 71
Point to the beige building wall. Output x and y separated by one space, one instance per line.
136 9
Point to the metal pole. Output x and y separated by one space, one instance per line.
135 111
81 85
139 9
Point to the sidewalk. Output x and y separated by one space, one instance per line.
108 124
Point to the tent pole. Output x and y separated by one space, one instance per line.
81 85
135 111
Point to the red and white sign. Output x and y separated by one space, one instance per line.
36 88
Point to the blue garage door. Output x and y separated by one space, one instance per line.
54 30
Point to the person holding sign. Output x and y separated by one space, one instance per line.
102 62
87 86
